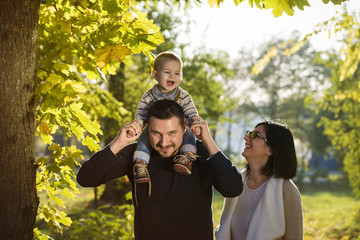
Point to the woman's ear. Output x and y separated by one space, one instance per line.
268 153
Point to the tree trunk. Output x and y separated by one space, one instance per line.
18 52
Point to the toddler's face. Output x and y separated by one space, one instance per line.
168 76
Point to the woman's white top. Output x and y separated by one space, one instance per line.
242 215
277 215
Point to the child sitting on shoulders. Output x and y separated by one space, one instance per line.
168 73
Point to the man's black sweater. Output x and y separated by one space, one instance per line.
180 206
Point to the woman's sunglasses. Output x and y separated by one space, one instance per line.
254 134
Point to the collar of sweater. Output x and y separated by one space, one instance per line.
159 95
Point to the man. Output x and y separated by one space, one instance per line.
180 205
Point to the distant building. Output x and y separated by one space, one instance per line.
324 161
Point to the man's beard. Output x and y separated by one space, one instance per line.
166 155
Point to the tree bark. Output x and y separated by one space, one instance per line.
18 54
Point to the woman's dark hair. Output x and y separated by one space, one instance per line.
282 163
166 109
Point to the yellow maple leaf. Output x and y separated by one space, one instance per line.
214 2
99 52
116 53
119 52
44 128
104 56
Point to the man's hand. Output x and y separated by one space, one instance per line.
128 134
201 130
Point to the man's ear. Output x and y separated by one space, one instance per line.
153 74
184 127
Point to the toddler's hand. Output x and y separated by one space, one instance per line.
134 128
195 129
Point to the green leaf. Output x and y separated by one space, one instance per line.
91 75
111 6
91 143
278 7
47 139
62 67
40 236
57 200
237 2
336 2
78 131
54 79
299 3
42 161
66 221
67 193
83 119
76 86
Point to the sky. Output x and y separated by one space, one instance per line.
231 27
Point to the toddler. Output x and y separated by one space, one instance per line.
168 73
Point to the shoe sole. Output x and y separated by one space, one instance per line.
144 180
181 169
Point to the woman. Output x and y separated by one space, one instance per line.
270 204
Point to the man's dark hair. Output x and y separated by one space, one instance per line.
282 163
166 109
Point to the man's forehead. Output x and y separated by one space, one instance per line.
164 124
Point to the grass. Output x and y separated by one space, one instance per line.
330 211
328 215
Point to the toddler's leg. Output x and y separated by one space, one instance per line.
141 158
189 142
184 161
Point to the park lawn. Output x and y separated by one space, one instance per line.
329 213
217 206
